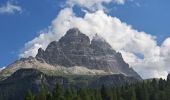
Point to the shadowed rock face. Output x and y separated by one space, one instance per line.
76 49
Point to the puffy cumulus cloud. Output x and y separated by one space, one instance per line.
119 1
41 41
131 43
165 48
165 54
93 5
10 8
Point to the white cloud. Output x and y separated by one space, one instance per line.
121 36
10 8
94 5
119 1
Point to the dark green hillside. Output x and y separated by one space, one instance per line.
150 90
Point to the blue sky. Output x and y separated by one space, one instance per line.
19 27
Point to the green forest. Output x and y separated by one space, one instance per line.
146 90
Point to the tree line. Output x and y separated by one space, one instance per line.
146 90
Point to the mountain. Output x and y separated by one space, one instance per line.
75 54
76 49
74 61
16 86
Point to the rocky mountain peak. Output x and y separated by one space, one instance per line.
98 43
73 31
74 38
75 49
74 53
97 37
40 52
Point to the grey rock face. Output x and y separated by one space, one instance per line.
76 49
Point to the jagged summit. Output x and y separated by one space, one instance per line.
73 31
74 39
98 37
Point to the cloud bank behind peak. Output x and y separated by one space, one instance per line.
122 37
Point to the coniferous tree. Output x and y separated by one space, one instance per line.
146 90
49 96
42 94
144 93
70 94
167 90
132 94
97 95
114 93
77 98
162 84
104 93
58 93
84 94
29 96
